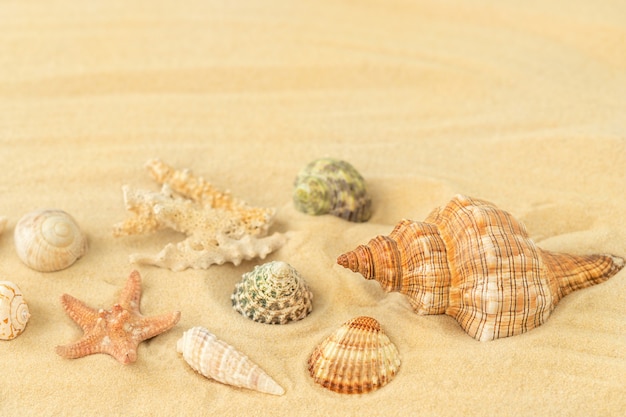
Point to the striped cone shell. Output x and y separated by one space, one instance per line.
272 293
357 358
476 263
218 360
332 186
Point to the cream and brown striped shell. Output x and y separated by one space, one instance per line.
218 360
49 240
14 312
273 293
476 263
356 358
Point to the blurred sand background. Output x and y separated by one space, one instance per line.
519 103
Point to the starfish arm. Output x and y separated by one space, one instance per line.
131 294
148 327
90 343
80 312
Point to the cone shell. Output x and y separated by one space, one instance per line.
273 293
14 312
476 263
217 360
332 186
49 240
357 358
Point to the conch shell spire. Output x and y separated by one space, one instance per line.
476 263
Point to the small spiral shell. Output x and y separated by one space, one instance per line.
14 312
273 293
49 240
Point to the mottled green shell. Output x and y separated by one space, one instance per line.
272 293
332 186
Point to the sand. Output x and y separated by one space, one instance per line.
520 104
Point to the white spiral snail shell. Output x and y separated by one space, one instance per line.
49 240
14 312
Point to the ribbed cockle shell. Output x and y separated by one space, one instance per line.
217 360
356 358
14 312
49 240
332 186
273 293
476 263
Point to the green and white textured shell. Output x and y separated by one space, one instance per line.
272 293
332 186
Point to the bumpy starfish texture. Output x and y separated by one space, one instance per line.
219 227
117 332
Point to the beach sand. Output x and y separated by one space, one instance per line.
520 105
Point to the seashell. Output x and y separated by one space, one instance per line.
356 358
272 293
49 240
476 263
332 186
14 312
217 360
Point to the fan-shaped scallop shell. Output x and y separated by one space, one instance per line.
49 240
476 263
332 186
356 358
217 360
273 293
14 312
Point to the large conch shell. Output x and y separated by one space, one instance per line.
49 240
332 186
218 360
476 263
356 358
14 312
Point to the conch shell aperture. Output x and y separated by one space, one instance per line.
476 263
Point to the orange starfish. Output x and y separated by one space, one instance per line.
118 331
